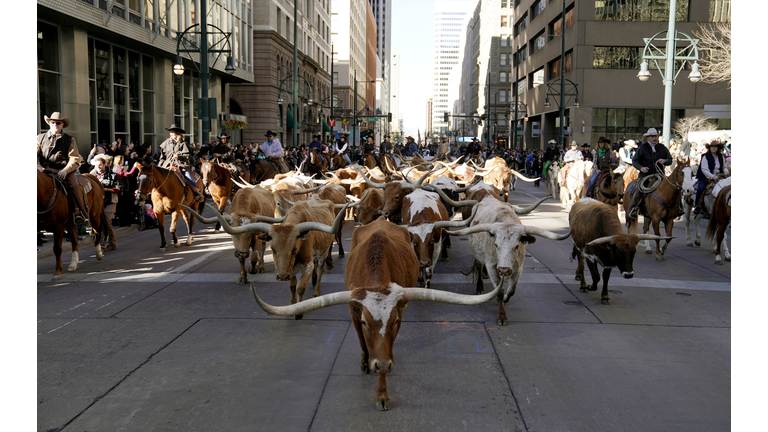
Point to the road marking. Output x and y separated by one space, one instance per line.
440 278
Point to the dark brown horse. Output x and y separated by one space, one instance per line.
169 192
316 163
660 205
338 161
264 170
367 160
54 214
609 188
218 182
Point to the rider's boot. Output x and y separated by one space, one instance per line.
81 209
633 206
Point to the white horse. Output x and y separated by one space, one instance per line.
552 171
708 200
575 182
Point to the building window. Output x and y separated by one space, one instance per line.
503 77
554 66
616 58
538 42
720 10
504 40
556 26
521 55
48 72
639 10
521 24
504 21
504 3
629 123
503 59
537 7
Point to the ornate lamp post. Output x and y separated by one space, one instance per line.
305 88
559 88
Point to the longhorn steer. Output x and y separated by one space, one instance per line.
299 244
370 206
501 178
394 192
597 235
333 193
380 264
498 239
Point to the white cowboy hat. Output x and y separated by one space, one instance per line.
574 143
551 142
102 157
651 132
58 117
630 143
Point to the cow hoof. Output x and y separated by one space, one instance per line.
501 321
242 280
364 367
697 243
578 278
298 317
260 270
605 301
341 254
593 288
216 231
56 278
383 405
583 289
659 258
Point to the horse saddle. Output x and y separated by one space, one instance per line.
84 183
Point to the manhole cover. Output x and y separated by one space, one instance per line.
574 303
683 294
615 292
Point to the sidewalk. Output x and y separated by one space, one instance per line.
46 250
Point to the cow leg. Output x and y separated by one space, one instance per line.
262 252
328 259
160 216
382 398
300 287
58 237
595 273
477 269
446 244
364 366
174 222
338 242
604 295
317 277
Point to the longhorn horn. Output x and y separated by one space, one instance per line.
653 237
244 185
423 294
522 177
545 233
459 223
204 219
319 226
483 173
453 203
257 226
369 181
531 207
304 306
303 191
355 203
471 230
418 184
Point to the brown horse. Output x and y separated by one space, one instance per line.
169 192
719 220
609 188
54 214
660 205
264 170
388 165
218 182
367 160
338 161
316 163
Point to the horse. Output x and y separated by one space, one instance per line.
707 200
388 164
317 163
264 170
145 186
719 220
218 182
659 205
169 192
338 161
551 181
367 160
609 188
575 180
54 214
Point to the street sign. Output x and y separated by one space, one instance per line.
331 122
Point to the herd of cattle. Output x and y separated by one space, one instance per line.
405 220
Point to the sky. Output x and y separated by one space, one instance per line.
412 37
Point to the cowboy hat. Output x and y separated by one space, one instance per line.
173 127
585 145
714 143
574 143
102 157
651 132
551 142
58 117
603 139
269 132
630 143
223 134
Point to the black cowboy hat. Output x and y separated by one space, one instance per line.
223 134
173 127
269 132
603 139
585 145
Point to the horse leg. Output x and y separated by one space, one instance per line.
174 222
656 230
646 228
73 234
687 221
160 216
190 221
696 220
668 225
58 237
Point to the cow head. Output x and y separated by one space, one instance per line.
619 250
371 205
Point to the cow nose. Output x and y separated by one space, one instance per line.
379 366
628 275
241 254
425 263
503 271
283 277
385 213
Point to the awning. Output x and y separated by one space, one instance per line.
326 128
289 119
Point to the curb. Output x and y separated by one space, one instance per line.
46 250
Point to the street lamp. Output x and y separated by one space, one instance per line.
307 88
669 52
220 45
558 88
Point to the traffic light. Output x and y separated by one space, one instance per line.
389 117
445 116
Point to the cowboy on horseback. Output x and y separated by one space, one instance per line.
551 155
603 161
174 154
272 149
340 147
370 148
571 156
650 158
625 156
57 153
711 169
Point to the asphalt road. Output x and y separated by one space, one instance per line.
150 341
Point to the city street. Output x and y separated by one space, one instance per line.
152 341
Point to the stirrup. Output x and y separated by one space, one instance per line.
80 219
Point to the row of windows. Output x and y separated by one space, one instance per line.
630 123
639 10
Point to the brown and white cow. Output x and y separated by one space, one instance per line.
394 192
598 237
380 264
300 244
426 217
498 240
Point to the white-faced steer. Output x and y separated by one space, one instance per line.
498 240
380 264
597 235
300 244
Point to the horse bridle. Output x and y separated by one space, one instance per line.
663 175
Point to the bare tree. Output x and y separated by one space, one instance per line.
715 43
693 124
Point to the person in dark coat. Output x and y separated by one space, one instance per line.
174 152
650 158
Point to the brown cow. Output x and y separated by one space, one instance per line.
598 236
370 206
394 192
333 193
380 264
501 178
299 244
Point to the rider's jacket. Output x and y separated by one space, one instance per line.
58 152
710 167
169 147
